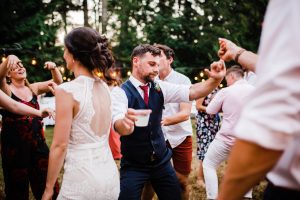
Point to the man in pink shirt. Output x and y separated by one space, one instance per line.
230 101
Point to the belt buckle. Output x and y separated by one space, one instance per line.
152 157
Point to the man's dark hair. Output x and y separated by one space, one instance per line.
167 50
236 69
142 49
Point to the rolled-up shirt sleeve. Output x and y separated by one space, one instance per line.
216 103
174 93
119 104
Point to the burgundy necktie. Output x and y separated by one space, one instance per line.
145 89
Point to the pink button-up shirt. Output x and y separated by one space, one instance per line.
230 100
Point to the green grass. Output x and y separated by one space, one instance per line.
197 193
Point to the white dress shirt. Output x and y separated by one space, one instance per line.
271 118
172 93
176 133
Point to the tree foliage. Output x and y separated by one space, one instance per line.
190 27
33 26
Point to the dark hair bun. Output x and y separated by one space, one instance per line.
89 48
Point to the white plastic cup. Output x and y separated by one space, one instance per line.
142 120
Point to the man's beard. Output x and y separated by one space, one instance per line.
149 78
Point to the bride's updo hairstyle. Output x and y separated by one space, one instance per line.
89 48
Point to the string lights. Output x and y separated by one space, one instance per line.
3 58
33 61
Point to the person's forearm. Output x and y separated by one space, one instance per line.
23 109
202 89
16 107
56 160
248 60
177 118
3 70
56 76
247 165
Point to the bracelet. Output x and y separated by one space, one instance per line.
236 59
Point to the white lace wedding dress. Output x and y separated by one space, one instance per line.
90 173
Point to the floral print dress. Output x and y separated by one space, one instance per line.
207 127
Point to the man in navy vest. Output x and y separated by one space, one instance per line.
145 154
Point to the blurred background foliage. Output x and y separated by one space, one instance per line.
30 29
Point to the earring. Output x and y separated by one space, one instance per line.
8 81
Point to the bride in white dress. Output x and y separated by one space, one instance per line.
83 118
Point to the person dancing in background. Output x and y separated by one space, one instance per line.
207 126
229 100
83 120
114 137
24 150
176 124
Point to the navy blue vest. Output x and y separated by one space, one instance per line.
146 145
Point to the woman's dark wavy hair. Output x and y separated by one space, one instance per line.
89 48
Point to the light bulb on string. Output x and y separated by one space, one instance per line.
201 74
33 61
62 69
3 59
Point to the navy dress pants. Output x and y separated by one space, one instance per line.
162 178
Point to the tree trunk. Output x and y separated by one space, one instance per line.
104 16
85 13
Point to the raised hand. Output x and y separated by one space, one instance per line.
52 86
217 70
228 50
13 62
49 65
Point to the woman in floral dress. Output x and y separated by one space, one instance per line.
207 127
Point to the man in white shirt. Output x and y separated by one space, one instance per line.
145 155
176 122
230 101
269 128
